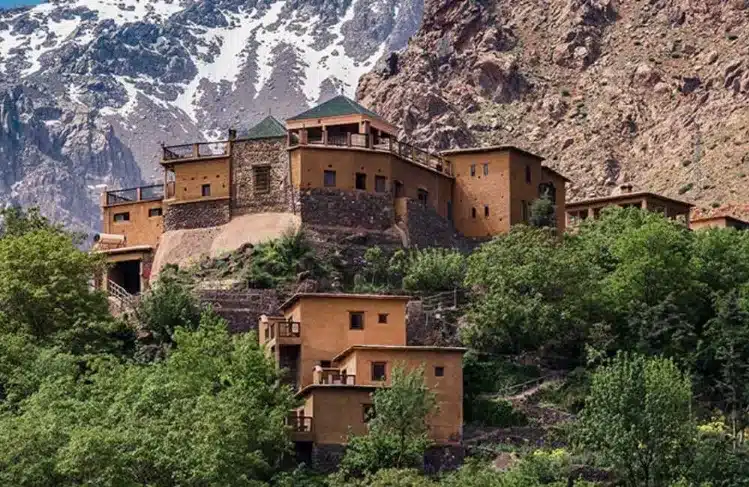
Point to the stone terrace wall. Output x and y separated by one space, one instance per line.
247 154
354 209
197 214
426 228
242 309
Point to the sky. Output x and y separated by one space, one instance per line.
17 3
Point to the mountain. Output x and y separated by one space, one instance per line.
652 92
89 88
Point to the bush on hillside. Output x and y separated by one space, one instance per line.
434 270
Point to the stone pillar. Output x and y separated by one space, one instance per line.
138 194
303 137
348 139
324 136
195 150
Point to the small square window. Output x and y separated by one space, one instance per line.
486 169
380 184
439 371
361 181
528 177
155 212
325 364
356 320
473 212
423 196
378 371
382 318
205 190
486 210
368 412
262 179
122 217
473 170
329 179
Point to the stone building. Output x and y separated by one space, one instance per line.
340 348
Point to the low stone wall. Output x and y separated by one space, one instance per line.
355 209
197 214
241 309
326 458
440 458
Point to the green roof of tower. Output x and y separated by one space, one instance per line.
267 128
335 107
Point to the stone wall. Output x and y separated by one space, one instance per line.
426 228
354 209
241 309
248 154
197 214
440 458
326 458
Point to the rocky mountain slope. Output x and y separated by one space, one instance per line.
89 88
653 92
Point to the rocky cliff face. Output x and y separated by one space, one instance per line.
89 88
653 92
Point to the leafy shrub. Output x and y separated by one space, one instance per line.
685 188
494 412
282 260
434 270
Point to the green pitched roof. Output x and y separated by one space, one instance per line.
340 105
267 128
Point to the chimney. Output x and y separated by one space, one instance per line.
232 134
625 188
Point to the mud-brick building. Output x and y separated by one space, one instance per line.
337 350
335 165
719 221
581 210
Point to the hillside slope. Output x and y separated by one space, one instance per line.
653 92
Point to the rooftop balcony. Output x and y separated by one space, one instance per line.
202 150
283 329
133 195
371 142
329 376
301 427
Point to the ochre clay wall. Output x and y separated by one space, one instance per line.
140 229
191 176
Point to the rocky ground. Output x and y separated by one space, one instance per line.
652 92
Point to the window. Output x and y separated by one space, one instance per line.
356 320
262 179
329 179
528 174
473 170
205 190
382 318
473 212
423 196
155 212
524 210
325 364
122 217
368 412
486 211
380 184
486 169
439 371
361 181
449 211
378 371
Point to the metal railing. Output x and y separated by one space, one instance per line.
299 424
196 150
132 195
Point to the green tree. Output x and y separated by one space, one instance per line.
167 306
397 435
434 270
282 261
16 221
211 414
638 419
542 214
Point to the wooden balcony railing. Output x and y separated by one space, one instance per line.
381 144
196 150
132 195
333 376
283 329
299 424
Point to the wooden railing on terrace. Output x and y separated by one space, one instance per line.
132 195
283 329
380 144
196 150
299 424
334 376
